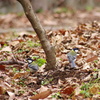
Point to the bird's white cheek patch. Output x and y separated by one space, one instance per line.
29 61
76 51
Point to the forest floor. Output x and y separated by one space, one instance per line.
65 31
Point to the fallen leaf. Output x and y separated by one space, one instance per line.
87 78
2 43
68 90
94 89
86 66
6 49
90 59
14 43
62 31
18 75
77 90
2 90
11 95
42 95
42 89
2 67
63 57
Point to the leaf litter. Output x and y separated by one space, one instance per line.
17 82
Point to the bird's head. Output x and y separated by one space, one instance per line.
76 50
29 60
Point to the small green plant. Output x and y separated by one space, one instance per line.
33 44
21 92
56 95
85 90
40 61
95 61
5 59
46 81
30 43
37 44
28 70
15 70
39 10
34 93
23 79
96 70
35 57
91 88
85 86
20 51
61 10
22 82
89 8
5 45
10 66
85 93
98 92
20 14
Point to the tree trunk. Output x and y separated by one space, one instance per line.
41 33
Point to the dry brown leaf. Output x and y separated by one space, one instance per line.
2 43
63 57
11 95
14 43
77 90
42 95
68 90
90 59
2 67
82 41
7 48
42 89
87 78
94 89
62 31
2 90
18 75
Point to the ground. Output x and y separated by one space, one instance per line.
65 33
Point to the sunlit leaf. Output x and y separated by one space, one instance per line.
68 90
7 48
11 95
41 95
91 59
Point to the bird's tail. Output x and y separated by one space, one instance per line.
73 65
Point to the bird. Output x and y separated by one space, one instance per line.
72 57
31 65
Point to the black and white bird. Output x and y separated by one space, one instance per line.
32 66
72 57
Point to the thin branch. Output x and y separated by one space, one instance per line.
10 62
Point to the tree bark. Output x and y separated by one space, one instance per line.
41 33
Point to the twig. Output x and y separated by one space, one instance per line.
10 62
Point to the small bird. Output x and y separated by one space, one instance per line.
32 66
72 57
